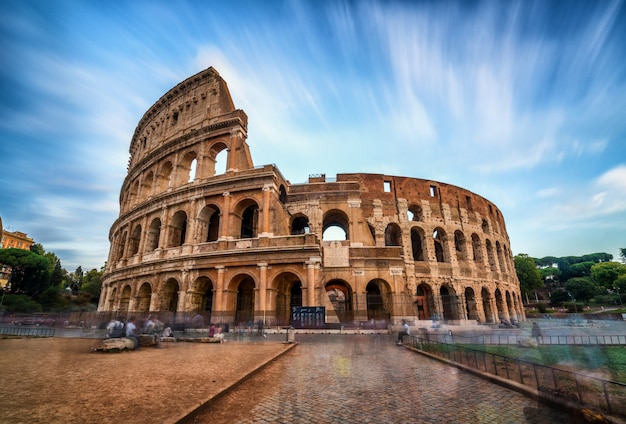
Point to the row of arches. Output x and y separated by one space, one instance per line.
179 169
241 302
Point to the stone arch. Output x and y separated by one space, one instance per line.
288 295
133 195
449 303
300 225
460 245
487 305
415 213
485 226
340 296
153 235
208 224
217 159
112 298
500 257
282 194
169 300
164 177
378 300
500 305
144 296
509 305
439 243
471 305
186 167
119 251
247 212
417 243
424 301
135 237
393 235
146 186
490 255
178 229
243 286
200 297
125 299
336 225
477 251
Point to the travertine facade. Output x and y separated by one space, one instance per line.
247 245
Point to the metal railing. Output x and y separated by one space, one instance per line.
605 395
514 339
21 331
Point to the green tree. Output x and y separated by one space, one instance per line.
622 254
605 273
91 286
558 297
29 271
581 288
581 269
37 248
527 273
20 303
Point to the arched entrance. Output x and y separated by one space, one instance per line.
244 312
377 299
288 296
424 302
500 305
449 303
340 297
200 298
471 308
125 300
487 308
169 300
143 298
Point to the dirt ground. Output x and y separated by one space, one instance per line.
61 380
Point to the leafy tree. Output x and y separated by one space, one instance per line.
29 271
620 283
547 261
558 297
37 248
581 269
581 288
550 273
51 299
91 285
605 273
20 303
622 254
56 277
527 273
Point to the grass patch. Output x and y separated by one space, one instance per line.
611 359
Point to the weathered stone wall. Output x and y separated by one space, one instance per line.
246 245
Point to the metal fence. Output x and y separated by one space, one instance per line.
514 339
605 395
21 331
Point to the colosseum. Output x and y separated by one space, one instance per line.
203 232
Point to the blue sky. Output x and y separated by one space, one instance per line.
522 102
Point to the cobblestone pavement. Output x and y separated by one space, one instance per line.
368 379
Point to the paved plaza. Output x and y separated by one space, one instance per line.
368 379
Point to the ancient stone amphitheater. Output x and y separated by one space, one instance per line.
240 243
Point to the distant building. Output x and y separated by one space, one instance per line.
246 245
16 240
12 240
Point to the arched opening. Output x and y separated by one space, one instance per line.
125 300
154 233
500 305
146 185
477 250
249 221
485 226
169 300
377 299
459 246
135 237
220 162
112 299
415 213
487 308
244 312
490 256
424 302
187 169
438 242
200 298
340 297
393 235
144 296
417 237
500 257
178 229
133 196
288 296
471 309
509 305
209 224
335 226
300 225
449 303
163 180
282 194
192 170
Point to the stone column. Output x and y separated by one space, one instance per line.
218 305
310 277
267 190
